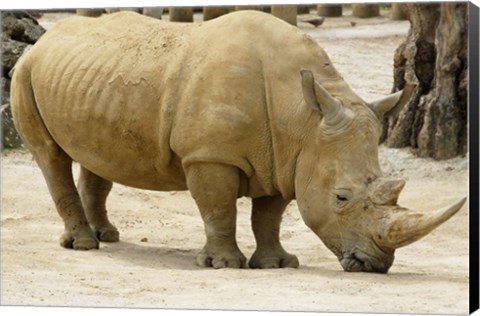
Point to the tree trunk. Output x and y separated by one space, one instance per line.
288 13
329 10
434 56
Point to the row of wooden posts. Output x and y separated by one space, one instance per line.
286 12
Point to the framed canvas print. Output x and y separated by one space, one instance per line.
274 156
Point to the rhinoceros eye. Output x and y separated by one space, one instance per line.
343 196
342 199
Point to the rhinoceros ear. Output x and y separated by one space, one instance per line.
392 104
319 99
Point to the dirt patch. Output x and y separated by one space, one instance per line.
154 266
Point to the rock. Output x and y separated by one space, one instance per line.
19 31
315 21
10 137
21 26
11 52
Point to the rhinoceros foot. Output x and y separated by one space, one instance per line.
79 240
107 233
221 258
273 259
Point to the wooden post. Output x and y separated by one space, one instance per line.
399 12
253 7
181 14
364 11
154 12
212 12
114 10
303 9
329 10
288 13
90 12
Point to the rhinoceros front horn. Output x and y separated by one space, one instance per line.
401 227
321 100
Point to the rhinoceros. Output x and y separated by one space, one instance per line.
242 105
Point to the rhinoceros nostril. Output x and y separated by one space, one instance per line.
351 263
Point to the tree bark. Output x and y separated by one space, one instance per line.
434 56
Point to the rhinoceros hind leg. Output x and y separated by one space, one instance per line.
93 193
215 188
57 170
266 217
55 164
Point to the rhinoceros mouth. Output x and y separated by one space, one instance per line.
351 263
360 262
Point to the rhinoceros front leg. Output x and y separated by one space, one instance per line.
93 193
215 188
266 218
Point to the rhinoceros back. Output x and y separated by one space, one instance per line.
102 89
127 90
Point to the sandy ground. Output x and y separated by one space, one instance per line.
154 266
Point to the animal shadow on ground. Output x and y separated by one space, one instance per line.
155 257
168 258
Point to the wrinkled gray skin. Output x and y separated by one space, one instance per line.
243 105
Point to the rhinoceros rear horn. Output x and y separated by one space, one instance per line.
319 99
401 227
392 104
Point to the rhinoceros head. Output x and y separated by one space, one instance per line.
339 187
